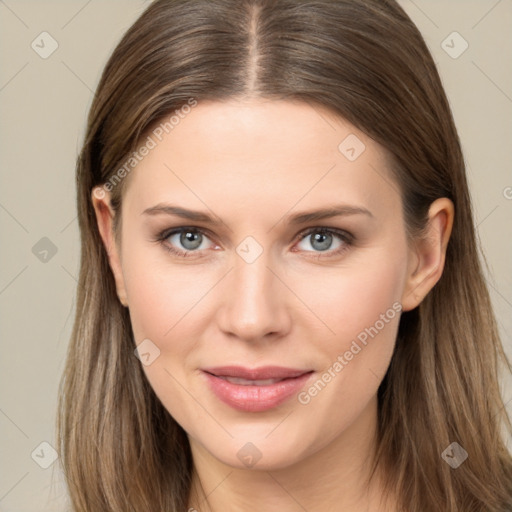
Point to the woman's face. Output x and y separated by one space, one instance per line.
267 329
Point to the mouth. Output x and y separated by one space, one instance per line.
255 390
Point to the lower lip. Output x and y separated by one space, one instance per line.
255 398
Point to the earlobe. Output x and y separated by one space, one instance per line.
428 254
104 218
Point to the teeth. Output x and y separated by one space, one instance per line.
246 382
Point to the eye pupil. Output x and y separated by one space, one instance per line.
324 239
190 239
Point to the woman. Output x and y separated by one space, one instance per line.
281 304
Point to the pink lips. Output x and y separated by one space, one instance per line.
255 390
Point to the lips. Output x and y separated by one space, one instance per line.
255 390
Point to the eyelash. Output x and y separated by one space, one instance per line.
345 237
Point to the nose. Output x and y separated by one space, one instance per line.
254 306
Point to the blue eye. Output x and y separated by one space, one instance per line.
191 241
323 239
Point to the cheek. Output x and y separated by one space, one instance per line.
361 306
353 299
165 304
162 296
160 302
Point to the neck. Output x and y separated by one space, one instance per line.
335 478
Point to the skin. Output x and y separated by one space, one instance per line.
253 163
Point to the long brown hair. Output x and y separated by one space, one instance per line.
367 62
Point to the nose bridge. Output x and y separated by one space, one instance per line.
254 303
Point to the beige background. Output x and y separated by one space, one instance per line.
43 106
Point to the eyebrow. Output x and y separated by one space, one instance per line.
299 218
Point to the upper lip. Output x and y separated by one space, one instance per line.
261 373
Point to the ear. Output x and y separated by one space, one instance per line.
427 254
104 217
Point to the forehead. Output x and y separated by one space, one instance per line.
257 154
